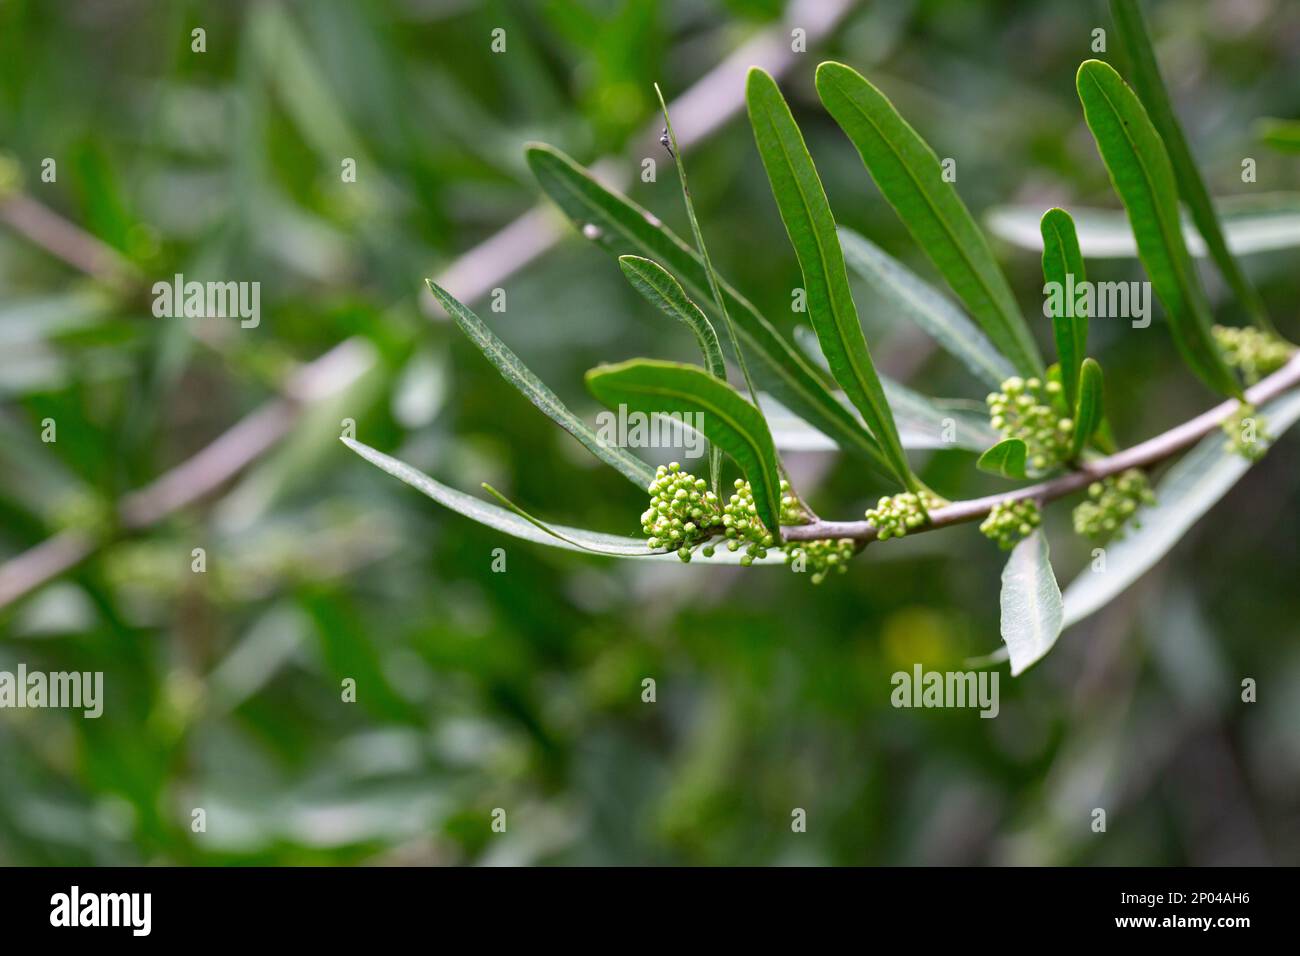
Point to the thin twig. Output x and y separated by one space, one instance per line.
1148 453
56 235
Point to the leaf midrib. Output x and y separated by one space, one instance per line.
1008 325
839 321
1160 218
831 408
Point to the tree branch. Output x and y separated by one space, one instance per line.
700 111
1148 453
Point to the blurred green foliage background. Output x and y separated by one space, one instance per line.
522 690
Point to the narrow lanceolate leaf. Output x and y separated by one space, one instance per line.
1005 459
808 220
715 286
554 530
1190 488
1253 223
1139 168
712 407
909 175
907 295
1088 407
507 522
619 226
534 389
1032 612
1063 268
923 422
667 295
1133 35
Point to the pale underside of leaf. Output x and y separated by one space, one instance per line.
1192 486
507 522
1032 611
907 295
1252 224
535 390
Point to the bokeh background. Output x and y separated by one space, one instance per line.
522 690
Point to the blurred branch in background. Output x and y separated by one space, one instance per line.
705 107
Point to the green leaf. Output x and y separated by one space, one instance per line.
1254 223
909 296
923 422
1282 135
909 175
553 530
534 389
500 519
714 286
1139 168
725 418
665 293
1150 86
808 220
620 226
1063 265
1005 459
1088 408
1191 487
1032 611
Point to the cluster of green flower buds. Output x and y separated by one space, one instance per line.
820 557
1112 503
743 527
1033 411
682 513
895 516
1247 434
1011 520
1253 352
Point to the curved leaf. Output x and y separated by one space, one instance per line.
910 296
1190 488
1032 612
618 225
1139 168
923 422
1063 265
909 175
1088 409
500 519
1005 459
534 389
1150 86
665 293
714 286
725 418
808 220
